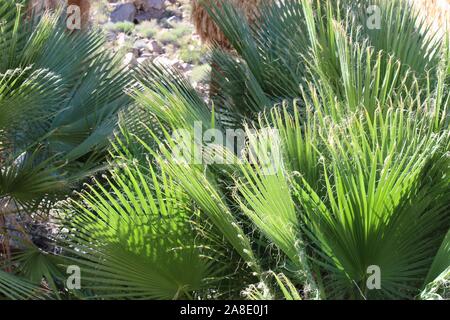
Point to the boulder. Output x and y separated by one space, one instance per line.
164 61
153 46
150 9
155 4
149 15
144 16
146 55
185 67
146 5
124 12
140 44
121 39
141 60
129 59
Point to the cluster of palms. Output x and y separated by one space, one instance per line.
359 117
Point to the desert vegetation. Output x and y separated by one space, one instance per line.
318 168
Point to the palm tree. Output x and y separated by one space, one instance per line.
211 33
362 180
354 122
57 110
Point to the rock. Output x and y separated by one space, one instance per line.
153 46
146 55
149 9
156 4
121 38
136 52
147 5
180 65
165 61
180 14
140 44
185 67
144 16
124 12
22 228
111 36
150 14
173 19
177 64
129 59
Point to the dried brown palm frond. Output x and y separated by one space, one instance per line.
206 27
436 11
41 5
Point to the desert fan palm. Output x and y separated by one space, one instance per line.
344 167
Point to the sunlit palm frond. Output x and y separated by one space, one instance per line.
385 189
133 238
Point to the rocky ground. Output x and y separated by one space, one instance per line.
157 30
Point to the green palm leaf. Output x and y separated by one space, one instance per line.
17 288
134 238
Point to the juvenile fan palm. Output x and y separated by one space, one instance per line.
347 169
60 95
359 131
206 27
343 196
134 237
384 205
57 110
296 42
357 164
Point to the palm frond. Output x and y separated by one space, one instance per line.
134 238
16 288
372 198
